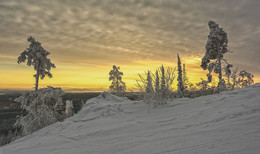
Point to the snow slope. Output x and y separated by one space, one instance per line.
228 122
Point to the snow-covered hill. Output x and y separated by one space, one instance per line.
228 122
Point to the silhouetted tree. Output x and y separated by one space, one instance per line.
117 84
216 47
36 55
157 82
149 86
163 83
180 83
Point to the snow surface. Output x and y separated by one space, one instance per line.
228 122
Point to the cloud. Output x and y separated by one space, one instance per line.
110 32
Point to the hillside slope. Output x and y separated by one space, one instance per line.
228 122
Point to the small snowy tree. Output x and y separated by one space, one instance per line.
157 82
234 76
216 47
180 83
169 78
155 88
163 83
145 87
40 106
69 108
228 72
185 79
36 55
117 84
149 86
203 85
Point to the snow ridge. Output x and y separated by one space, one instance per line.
227 122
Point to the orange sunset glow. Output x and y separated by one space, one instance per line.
86 38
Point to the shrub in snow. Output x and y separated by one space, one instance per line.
36 55
117 84
41 106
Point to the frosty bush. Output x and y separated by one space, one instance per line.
41 106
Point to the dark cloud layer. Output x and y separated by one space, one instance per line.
114 31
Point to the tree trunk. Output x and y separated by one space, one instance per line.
228 81
220 71
117 85
37 81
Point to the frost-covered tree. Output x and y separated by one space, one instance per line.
169 78
149 86
155 88
203 85
69 108
163 83
216 47
145 87
228 72
180 83
41 108
245 78
36 56
234 76
115 76
157 82
185 79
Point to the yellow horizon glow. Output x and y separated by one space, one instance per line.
95 79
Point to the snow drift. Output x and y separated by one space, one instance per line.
228 122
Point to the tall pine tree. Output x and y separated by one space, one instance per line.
149 86
157 82
163 83
180 83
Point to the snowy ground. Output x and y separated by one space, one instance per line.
228 122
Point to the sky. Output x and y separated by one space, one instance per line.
86 38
